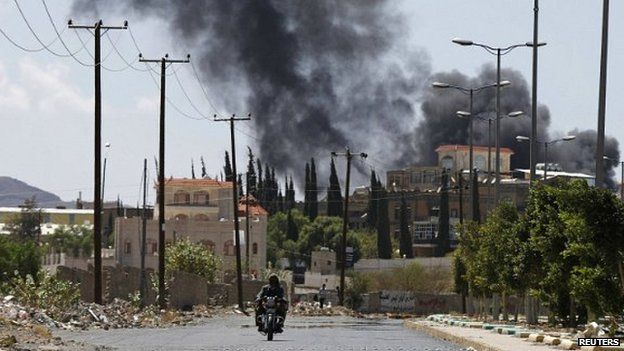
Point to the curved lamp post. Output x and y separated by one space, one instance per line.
522 138
498 52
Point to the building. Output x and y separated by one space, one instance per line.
51 218
457 157
200 210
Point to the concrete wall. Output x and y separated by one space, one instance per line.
375 264
316 280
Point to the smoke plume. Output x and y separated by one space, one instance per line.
321 75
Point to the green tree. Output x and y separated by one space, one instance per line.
292 232
75 241
25 226
384 242
251 174
334 195
373 201
306 191
21 257
313 188
186 256
405 238
227 169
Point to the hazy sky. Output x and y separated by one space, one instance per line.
46 102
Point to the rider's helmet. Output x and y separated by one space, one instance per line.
273 280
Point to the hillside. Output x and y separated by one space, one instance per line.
13 192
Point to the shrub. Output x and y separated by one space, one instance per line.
45 291
186 256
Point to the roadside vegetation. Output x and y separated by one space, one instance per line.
567 250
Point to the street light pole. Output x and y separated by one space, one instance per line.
498 52
522 138
533 146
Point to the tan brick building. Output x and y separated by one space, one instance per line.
201 210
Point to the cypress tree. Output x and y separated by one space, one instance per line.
280 201
203 164
251 171
384 244
476 214
443 219
306 191
240 186
227 169
313 206
192 169
334 196
266 188
292 232
290 195
405 239
274 187
373 196
260 184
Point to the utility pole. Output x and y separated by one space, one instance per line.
602 97
239 274
533 146
97 164
143 278
247 235
460 183
161 174
345 221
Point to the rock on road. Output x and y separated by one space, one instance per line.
236 333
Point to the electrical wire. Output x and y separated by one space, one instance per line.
204 90
128 64
16 44
188 98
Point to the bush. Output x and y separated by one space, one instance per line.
45 291
21 257
189 257
360 284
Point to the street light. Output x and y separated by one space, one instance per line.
470 92
464 114
622 177
522 138
498 52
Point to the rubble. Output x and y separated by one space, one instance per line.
314 309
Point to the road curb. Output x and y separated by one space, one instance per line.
439 334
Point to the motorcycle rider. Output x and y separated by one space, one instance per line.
273 289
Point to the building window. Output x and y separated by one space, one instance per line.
152 247
329 263
397 213
209 245
228 248
200 198
181 197
127 248
254 248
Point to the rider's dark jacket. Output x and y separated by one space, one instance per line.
270 291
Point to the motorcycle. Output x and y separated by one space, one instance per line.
270 321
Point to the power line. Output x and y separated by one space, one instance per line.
203 89
41 42
16 44
175 74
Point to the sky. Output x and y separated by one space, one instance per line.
46 101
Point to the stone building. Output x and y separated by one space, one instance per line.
201 210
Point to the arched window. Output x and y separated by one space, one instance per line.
447 162
254 248
228 248
180 217
181 197
200 198
209 245
201 217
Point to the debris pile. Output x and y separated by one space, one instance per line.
117 314
314 309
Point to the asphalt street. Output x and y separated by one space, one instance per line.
236 333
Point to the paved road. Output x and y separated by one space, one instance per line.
235 333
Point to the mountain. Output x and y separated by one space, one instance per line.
13 192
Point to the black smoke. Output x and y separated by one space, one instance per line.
440 124
320 75
316 75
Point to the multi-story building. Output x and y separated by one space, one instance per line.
51 218
200 210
